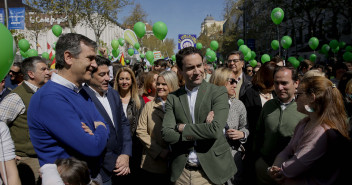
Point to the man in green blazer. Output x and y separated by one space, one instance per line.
200 152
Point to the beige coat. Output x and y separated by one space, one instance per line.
149 132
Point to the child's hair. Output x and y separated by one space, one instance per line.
74 171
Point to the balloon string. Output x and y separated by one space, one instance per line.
278 38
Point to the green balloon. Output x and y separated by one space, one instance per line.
291 59
313 57
127 61
253 63
121 41
160 30
45 55
214 45
115 52
275 44
199 45
300 58
137 46
139 29
253 55
335 50
334 44
286 42
295 63
277 15
240 42
210 55
114 44
173 58
142 55
110 57
32 53
313 43
130 51
248 56
7 51
54 46
57 30
325 48
265 58
150 56
349 48
23 54
342 44
347 56
23 44
244 49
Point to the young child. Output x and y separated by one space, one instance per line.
70 171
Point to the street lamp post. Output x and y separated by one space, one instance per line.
6 13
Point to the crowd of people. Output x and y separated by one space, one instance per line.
94 121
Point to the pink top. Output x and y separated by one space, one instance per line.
304 156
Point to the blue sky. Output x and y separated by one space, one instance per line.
180 16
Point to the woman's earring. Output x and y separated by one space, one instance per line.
308 109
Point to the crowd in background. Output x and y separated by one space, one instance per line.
78 124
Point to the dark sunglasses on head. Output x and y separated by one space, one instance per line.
232 81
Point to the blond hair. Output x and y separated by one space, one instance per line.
220 76
134 87
171 80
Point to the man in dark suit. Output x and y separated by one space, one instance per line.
108 103
235 61
200 152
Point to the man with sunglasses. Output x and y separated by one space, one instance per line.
235 61
277 122
15 76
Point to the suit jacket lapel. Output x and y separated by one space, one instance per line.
200 96
185 105
98 105
113 106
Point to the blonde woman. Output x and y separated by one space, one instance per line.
126 84
236 130
155 149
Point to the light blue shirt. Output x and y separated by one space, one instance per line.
192 96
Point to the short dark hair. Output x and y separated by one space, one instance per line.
161 62
185 52
73 171
276 59
29 64
239 53
292 69
18 64
100 62
70 42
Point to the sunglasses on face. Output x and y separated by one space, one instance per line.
232 81
249 71
13 72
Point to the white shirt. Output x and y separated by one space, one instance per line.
105 102
192 96
64 82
